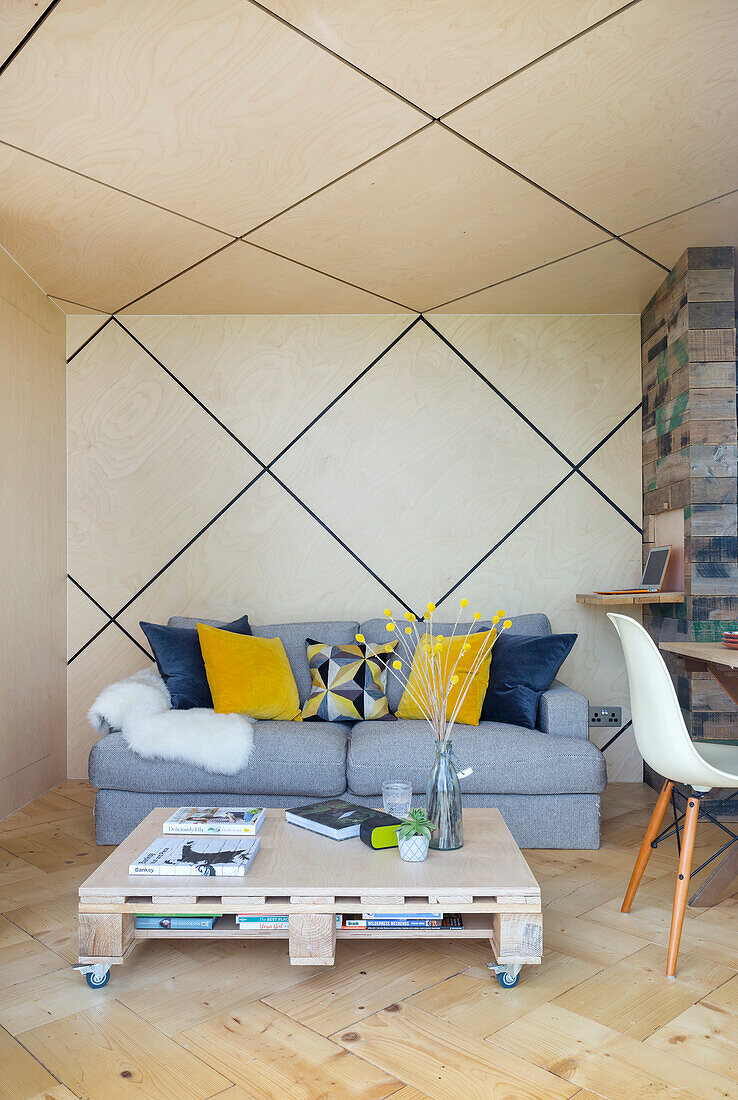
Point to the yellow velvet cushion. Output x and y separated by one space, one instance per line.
248 675
450 650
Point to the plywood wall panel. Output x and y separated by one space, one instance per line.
419 468
147 467
571 375
429 220
444 468
198 111
110 657
634 120
32 496
613 470
268 558
83 618
80 327
267 377
711 225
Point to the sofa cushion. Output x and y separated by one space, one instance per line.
179 659
288 759
506 759
375 630
294 639
522 669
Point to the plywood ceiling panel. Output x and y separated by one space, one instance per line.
88 243
712 223
439 54
632 121
18 16
216 111
421 381
244 279
291 366
609 278
429 220
580 366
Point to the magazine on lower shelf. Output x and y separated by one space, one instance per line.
218 820
227 857
174 921
274 921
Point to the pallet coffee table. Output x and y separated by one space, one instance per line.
312 878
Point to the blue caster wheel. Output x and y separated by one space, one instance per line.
507 981
97 981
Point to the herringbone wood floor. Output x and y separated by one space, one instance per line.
234 1020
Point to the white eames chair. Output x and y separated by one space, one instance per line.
664 743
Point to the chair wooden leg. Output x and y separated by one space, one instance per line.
682 885
644 855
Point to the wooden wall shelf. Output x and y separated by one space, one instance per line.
594 599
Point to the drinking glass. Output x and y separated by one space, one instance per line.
397 798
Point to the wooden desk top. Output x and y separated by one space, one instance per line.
295 861
624 599
712 653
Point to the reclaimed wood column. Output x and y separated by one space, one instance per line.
690 464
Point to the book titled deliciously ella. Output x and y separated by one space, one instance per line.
197 856
219 820
334 817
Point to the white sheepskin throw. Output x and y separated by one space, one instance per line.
140 708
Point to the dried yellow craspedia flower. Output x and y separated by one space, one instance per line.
390 626
409 616
466 648
397 664
507 624
387 613
501 614
477 615
464 603
408 630
454 680
440 638
360 638
430 608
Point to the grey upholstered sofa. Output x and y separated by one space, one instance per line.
546 782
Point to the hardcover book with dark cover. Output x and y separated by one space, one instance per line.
335 817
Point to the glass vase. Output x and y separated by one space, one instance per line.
443 801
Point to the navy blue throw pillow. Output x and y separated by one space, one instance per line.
179 660
523 667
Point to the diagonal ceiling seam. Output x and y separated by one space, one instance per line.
27 36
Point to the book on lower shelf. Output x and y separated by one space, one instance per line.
230 857
264 922
174 921
334 817
218 820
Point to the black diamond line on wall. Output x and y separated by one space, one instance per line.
111 619
266 469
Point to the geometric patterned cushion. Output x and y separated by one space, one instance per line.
349 682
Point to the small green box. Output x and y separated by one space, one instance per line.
380 831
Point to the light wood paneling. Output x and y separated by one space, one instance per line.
85 242
147 467
244 280
614 471
32 559
80 327
440 54
574 377
83 618
291 366
193 107
402 226
625 124
18 18
712 223
265 556
575 538
436 431
110 657
117 1049
608 278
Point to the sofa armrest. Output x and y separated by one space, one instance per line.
563 712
